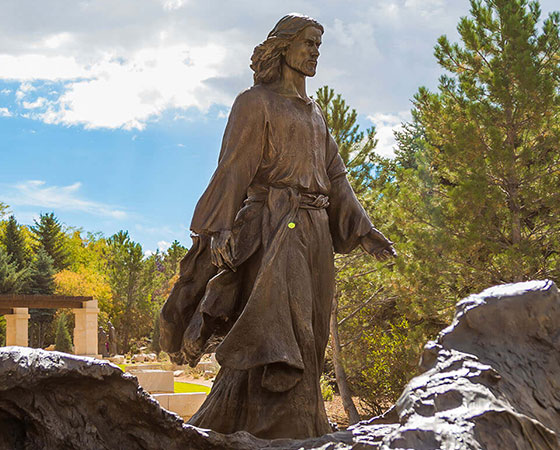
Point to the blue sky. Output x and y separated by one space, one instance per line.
112 112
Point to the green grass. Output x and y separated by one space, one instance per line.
182 387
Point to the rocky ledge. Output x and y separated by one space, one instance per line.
491 380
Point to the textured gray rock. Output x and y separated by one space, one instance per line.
51 400
491 381
492 378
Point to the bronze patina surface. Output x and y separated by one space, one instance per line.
258 281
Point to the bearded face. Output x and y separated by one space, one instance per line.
303 52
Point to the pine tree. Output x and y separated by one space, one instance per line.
131 279
63 341
41 274
12 280
41 281
14 242
355 146
357 151
48 234
473 197
492 159
365 321
172 258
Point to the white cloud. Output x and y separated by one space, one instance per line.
56 40
5 112
38 103
385 127
171 5
160 230
66 198
31 67
357 37
163 246
125 94
6 91
389 10
23 90
122 64
223 114
426 8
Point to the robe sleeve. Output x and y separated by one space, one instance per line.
348 221
240 157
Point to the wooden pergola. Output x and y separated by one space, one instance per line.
15 307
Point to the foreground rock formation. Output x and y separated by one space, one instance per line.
491 381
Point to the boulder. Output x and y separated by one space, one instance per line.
150 357
117 359
138 358
52 400
491 381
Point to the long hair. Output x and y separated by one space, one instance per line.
266 61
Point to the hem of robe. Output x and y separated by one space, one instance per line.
227 409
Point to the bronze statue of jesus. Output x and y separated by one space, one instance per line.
258 283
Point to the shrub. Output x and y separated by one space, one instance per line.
63 342
326 389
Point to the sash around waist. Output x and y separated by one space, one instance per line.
259 194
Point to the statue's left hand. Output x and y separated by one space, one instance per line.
221 250
378 245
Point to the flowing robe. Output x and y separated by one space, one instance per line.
281 188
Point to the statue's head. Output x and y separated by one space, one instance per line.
294 40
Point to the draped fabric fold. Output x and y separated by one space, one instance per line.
267 311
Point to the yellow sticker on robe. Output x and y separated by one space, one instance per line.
291 225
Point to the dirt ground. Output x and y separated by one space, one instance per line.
191 379
336 414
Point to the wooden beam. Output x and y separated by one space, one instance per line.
41 301
4 311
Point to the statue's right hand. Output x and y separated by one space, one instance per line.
221 250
